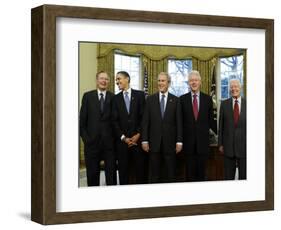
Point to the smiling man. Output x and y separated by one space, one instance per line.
162 132
96 131
128 107
232 132
197 108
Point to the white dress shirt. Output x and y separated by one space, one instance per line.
103 92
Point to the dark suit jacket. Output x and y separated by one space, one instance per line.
197 132
124 123
93 123
232 139
168 130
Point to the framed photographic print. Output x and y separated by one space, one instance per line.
72 45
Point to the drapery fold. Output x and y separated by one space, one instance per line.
155 60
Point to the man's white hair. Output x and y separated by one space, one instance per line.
235 80
194 73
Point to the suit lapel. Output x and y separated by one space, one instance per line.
168 105
201 105
133 100
230 108
96 97
96 101
242 108
157 102
106 101
190 105
122 103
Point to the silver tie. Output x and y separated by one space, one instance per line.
162 105
127 101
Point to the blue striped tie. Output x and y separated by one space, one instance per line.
162 105
127 101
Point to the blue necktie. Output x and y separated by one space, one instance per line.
162 105
127 102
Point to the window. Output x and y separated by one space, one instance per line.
130 64
230 68
178 70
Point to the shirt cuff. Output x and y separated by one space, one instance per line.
144 142
122 137
179 143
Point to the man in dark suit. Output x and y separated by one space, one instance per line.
232 132
198 118
128 107
162 132
96 131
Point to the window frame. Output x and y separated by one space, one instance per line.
179 59
120 52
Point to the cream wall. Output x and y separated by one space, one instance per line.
88 67
87 74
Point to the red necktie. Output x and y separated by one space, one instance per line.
195 106
236 113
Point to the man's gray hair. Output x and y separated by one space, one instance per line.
194 73
235 80
165 74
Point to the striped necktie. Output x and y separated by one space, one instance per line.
195 106
236 113
127 101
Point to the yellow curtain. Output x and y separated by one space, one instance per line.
205 69
154 67
106 63
155 62
157 52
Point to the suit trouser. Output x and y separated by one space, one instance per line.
131 158
195 169
162 167
94 153
230 164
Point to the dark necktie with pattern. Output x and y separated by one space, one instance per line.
101 102
236 113
195 106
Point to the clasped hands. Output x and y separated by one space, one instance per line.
131 141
